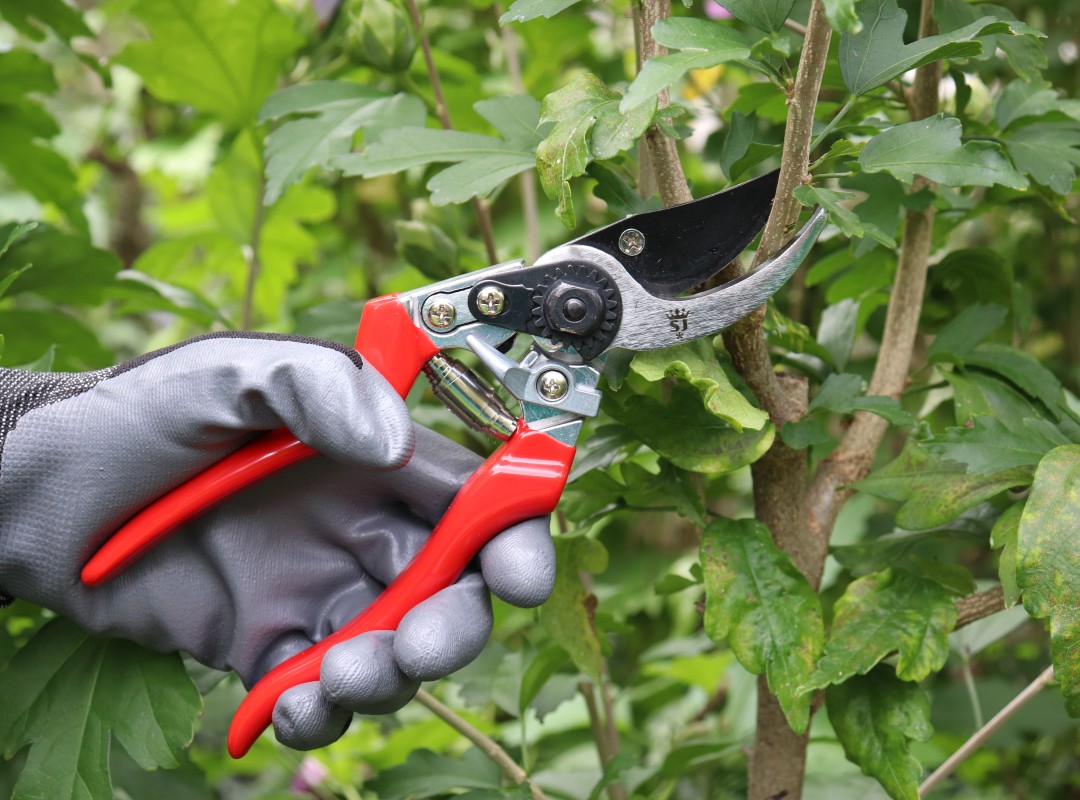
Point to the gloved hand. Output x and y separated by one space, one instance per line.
278 566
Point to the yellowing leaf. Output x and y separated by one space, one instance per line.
1048 562
762 606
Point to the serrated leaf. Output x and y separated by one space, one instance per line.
1021 101
1048 562
67 268
334 111
568 616
843 217
931 147
1025 53
761 605
427 774
934 491
67 694
1047 151
960 336
876 717
989 446
884 612
876 54
978 394
696 363
78 348
615 190
222 58
1022 369
767 15
524 10
1004 537
689 436
480 163
699 43
587 125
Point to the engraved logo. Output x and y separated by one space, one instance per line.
677 321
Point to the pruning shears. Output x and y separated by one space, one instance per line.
620 287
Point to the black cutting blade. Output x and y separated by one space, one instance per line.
686 245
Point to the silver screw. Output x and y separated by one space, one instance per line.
441 314
552 385
632 241
490 301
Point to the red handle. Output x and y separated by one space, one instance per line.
388 341
523 479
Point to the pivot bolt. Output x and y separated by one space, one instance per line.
490 300
552 385
441 314
632 242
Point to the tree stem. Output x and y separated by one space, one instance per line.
486 744
986 731
253 256
442 111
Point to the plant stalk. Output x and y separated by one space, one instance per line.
442 111
986 731
488 746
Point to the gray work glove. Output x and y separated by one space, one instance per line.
278 566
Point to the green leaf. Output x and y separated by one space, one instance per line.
221 58
931 147
1048 562
1021 101
427 774
840 393
615 190
587 125
700 44
481 163
768 15
881 613
1049 152
696 363
426 247
32 17
989 446
804 433
843 16
690 436
545 664
28 332
934 491
67 268
23 73
836 332
876 54
67 694
334 111
740 135
761 605
876 717
1022 369
960 336
841 216
1025 53
524 10
568 616
978 394
1004 537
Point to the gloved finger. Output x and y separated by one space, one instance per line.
304 719
362 675
519 564
445 632
319 390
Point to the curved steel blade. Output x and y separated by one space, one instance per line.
685 245
650 322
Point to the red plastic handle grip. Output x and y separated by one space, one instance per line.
523 479
388 341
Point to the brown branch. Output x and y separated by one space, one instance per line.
442 111
979 605
854 457
488 746
604 733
